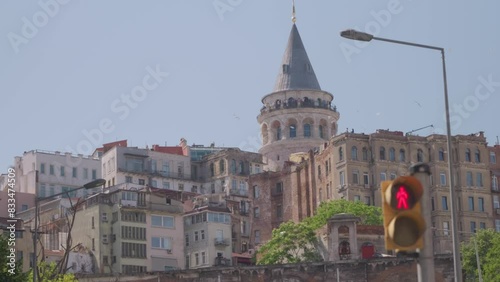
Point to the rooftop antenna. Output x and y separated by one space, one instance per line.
294 19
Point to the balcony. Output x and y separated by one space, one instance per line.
244 212
222 261
128 203
221 242
238 192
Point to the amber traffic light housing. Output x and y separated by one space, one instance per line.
404 225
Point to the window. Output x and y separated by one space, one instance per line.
94 174
85 173
402 155
42 190
319 170
496 203
493 158
497 225
292 130
51 169
203 258
480 202
307 130
256 191
354 153
365 154
494 183
392 154
321 132
355 177
365 178
256 212
393 176
24 207
196 237
257 235
477 156
341 154
162 221
420 155
444 203
181 187
133 250
479 179
467 155
442 179
42 168
161 243
470 181
471 203
383 176
482 225
202 234
134 233
441 154
93 242
357 198
341 178
279 187
92 223
166 185
104 217
222 166
75 172
446 228
432 204
186 238
367 200
473 227
142 182
382 154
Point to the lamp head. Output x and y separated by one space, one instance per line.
356 35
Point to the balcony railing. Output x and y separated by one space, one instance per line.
222 261
238 192
221 242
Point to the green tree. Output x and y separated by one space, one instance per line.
296 242
7 273
488 247
48 272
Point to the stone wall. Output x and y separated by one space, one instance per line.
376 270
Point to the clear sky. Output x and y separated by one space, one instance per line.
75 74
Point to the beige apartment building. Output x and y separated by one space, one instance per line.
132 229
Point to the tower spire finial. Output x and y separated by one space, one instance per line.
293 12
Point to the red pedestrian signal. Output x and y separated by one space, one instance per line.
403 222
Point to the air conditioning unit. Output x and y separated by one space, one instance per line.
105 240
169 251
251 251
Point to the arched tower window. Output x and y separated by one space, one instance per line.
392 154
307 130
354 153
292 128
477 156
321 133
278 133
382 153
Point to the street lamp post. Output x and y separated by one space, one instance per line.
90 185
362 36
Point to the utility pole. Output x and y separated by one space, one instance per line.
425 267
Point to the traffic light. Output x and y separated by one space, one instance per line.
404 224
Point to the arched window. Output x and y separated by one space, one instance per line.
233 166
477 156
242 167
354 153
293 130
382 153
365 154
278 133
402 155
420 155
307 130
221 166
441 154
392 154
321 133
341 154
467 155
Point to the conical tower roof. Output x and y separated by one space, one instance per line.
296 72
